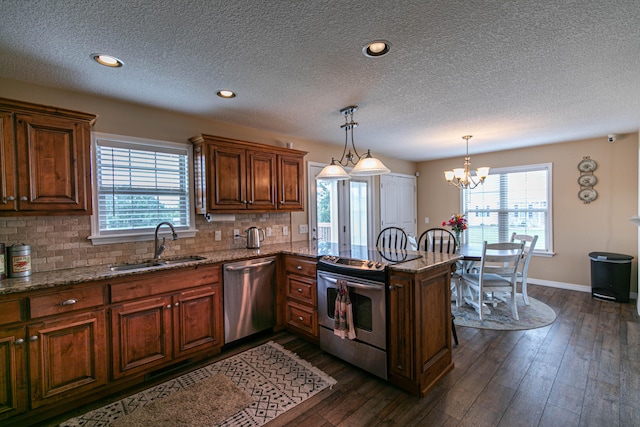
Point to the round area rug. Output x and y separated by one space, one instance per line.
535 315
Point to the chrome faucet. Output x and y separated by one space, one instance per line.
160 248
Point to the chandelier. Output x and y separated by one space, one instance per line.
363 165
461 177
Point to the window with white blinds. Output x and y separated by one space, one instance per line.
138 184
513 199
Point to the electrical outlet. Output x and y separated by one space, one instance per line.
285 230
268 231
217 235
303 229
426 220
236 233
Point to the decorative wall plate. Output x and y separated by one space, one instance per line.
587 180
587 195
587 165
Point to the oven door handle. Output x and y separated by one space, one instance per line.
351 284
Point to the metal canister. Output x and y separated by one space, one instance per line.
3 264
19 260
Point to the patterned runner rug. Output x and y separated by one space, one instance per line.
275 379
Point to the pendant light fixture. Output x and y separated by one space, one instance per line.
365 165
461 177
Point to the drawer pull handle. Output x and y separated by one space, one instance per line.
11 198
19 341
299 267
300 318
70 301
33 338
300 290
24 198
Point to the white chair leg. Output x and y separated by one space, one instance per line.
514 306
525 297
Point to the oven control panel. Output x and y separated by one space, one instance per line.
353 263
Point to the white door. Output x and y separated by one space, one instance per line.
340 211
398 206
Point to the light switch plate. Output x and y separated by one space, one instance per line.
268 231
426 220
303 228
285 230
217 235
236 233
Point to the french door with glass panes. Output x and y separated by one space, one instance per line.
341 211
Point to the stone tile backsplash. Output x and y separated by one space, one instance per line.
62 242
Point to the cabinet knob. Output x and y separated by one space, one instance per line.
300 318
282 202
19 341
391 288
24 198
33 338
250 202
10 198
300 290
299 267
168 306
176 304
70 301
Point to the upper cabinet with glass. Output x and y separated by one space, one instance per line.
44 159
239 176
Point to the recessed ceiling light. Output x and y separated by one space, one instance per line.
226 94
107 60
376 48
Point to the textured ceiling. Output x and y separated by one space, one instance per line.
511 73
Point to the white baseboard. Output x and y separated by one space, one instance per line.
571 287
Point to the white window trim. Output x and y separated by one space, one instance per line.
137 235
525 168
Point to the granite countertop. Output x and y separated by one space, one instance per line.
50 279
70 276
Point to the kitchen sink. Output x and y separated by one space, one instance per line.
154 263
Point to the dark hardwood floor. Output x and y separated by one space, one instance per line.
582 370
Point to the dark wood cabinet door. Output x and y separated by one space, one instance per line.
13 387
53 164
67 356
197 317
228 178
261 180
8 190
400 328
141 335
291 183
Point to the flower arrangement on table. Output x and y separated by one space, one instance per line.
458 224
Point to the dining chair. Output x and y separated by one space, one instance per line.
443 241
497 276
392 238
523 268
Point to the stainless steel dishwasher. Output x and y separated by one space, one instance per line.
249 295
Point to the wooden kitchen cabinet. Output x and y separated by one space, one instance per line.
419 308
163 317
13 368
236 176
301 296
46 162
67 356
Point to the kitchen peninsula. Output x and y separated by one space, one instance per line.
82 318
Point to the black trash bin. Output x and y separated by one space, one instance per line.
610 276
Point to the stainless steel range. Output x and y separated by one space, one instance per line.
365 272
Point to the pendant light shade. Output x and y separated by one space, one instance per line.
363 165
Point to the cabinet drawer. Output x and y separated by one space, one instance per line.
299 265
302 317
66 301
302 289
10 311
